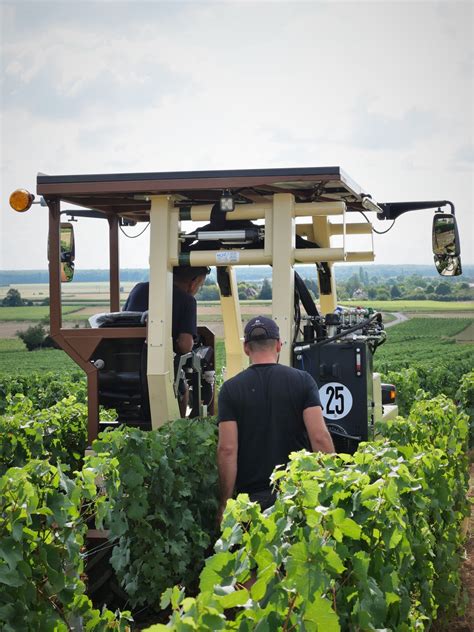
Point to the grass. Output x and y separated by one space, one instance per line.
220 356
72 312
15 358
77 316
388 317
242 302
33 313
87 302
467 335
427 341
217 318
414 306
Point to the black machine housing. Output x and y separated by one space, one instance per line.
338 353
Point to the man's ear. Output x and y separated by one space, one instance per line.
246 349
278 346
193 286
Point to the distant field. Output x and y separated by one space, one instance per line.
68 289
243 302
35 313
96 295
210 312
92 293
14 358
414 306
427 342
467 335
416 340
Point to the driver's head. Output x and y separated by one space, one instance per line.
262 335
190 279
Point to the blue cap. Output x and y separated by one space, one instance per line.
261 328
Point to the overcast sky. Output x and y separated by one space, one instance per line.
382 89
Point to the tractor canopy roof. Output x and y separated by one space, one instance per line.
128 193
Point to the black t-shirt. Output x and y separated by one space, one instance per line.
184 308
267 402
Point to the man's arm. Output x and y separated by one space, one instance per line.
318 433
227 447
184 343
184 320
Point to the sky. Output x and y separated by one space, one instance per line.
382 89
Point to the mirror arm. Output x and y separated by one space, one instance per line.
94 214
392 210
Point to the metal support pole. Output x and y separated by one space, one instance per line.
254 257
163 403
114 264
230 307
259 210
322 235
54 257
283 276
92 406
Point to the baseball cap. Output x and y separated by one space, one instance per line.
261 328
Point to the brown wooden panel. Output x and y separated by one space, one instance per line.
85 341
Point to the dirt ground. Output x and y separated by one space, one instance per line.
466 622
440 314
9 329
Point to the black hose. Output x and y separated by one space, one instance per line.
345 332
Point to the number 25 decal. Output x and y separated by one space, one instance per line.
336 400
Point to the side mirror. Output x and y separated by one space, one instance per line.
446 248
67 272
445 235
66 242
66 237
448 266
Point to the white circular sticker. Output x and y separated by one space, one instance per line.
336 400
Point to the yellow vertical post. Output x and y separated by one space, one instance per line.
283 243
230 306
163 403
322 236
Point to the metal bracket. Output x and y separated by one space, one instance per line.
196 366
392 210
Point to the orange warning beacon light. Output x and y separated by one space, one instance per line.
21 200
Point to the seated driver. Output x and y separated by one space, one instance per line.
187 282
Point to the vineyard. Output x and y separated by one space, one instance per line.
365 542
422 353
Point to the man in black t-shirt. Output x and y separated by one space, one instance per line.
265 413
187 282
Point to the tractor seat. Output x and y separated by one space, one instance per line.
118 319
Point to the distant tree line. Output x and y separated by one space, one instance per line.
360 286
13 299
404 287
252 274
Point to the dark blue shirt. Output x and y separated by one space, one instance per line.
267 402
184 308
